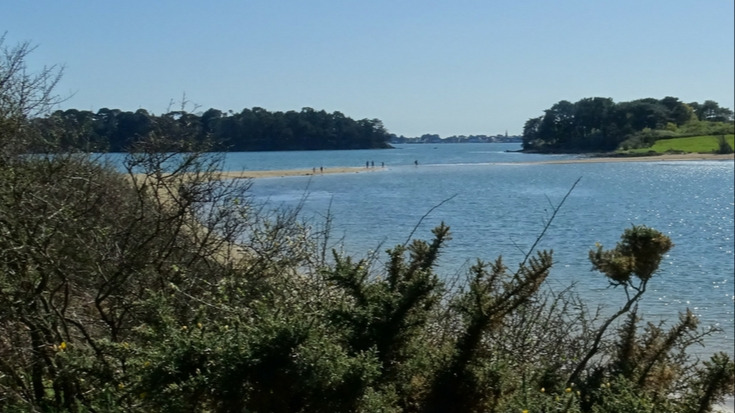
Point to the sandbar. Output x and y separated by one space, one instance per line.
591 159
295 172
359 169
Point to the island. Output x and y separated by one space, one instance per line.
600 125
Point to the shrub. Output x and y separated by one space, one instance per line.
724 145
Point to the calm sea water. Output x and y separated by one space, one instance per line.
497 203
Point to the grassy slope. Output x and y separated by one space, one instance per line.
694 144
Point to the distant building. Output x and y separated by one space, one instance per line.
433 138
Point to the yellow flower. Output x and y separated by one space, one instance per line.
543 390
199 325
62 346
568 390
524 411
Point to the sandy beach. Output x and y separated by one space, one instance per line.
295 172
356 169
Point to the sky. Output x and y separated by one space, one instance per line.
457 67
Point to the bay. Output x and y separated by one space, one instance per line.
497 203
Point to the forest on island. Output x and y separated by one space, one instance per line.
256 129
599 124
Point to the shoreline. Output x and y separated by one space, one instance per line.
359 169
652 158
280 173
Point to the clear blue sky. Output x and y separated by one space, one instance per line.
456 67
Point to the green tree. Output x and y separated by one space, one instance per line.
679 112
558 124
592 120
711 111
531 134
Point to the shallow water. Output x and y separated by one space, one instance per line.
497 204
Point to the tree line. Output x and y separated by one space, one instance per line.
599 124
256 129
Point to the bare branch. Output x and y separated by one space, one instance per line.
416 227
548 223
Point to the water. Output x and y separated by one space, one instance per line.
403 155
497 203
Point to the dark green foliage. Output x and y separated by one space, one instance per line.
466 382
638 254
711 111
714 380
600 125
250 130
724 146
387 314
